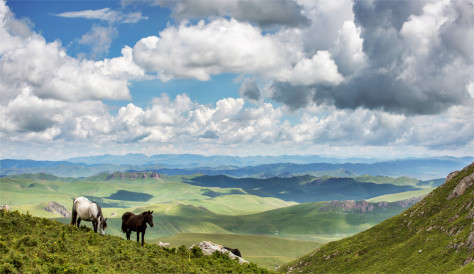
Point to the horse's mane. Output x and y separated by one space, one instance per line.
100 213
98 208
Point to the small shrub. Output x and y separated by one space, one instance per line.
196 252
8 268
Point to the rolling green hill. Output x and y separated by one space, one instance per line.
320 218
436 235
306 189
32 193
183 208
31 244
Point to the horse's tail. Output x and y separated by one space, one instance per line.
125 217
124 227
74 213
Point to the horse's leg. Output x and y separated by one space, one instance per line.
73 217
143 237
78 222
94 224
128 234
138 236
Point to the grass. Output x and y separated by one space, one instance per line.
21 193
32 244
239 204
430 237
213 212
268 252
400 196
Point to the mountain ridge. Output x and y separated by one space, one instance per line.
420 168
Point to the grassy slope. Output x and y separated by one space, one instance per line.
267 252
431 236
32 244
400 196
306 219
239 204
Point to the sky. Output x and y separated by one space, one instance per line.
368 78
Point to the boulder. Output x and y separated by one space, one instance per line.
208 248
5 207
55 207
166 245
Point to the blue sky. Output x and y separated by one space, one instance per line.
387 79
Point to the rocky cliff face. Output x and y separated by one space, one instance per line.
364 206
133 175
55 207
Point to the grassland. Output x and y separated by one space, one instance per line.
401 196
433 236
32 244
32 194
268 252
185 213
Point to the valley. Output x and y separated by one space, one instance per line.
253 214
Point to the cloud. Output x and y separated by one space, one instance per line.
100 39
249 90
228 46
27 61
278 13
105 14
386 74
395 58
199 51
327 18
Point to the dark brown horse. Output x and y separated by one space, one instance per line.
132 222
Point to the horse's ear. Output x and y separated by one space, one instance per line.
105 220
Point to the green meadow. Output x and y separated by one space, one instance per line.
269 231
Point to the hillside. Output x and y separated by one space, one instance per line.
32 244
435 235
306 189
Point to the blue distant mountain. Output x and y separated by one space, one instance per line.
255 166
196 160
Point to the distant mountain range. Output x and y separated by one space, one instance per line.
256 166
195 160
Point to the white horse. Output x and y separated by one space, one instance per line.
83 209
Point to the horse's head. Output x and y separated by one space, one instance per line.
149 218
102 225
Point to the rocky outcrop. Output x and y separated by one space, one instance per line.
55 207
208 248
364 206
155 175
409 202
133 175
462 186
5 207
164 245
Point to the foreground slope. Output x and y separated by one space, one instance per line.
435 235
39 245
